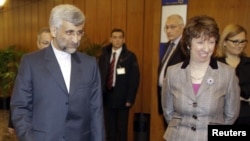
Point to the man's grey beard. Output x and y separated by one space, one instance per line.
70 51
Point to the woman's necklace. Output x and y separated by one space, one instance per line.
198 73
197 78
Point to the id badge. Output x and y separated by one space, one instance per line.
121 71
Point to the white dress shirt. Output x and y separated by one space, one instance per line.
161 77
118 52
64 60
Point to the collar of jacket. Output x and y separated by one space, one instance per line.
108 48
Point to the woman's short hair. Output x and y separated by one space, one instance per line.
199 26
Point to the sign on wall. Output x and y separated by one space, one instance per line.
170 7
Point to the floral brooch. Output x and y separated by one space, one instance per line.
210 81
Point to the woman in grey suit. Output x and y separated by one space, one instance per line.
199 91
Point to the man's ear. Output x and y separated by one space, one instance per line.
53 31
110 39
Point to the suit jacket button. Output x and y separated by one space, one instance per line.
194 116
194 104
193 128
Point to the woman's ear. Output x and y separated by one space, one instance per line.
224 44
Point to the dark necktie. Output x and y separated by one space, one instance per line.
111 73
166 55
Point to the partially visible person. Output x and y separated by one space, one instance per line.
230 51
200 91
43 38
174 26
120 82
57 94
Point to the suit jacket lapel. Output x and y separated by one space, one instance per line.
189 86
207 81
54 68
75 72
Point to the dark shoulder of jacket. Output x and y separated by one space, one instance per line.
126 53
79 56
245 59
107 48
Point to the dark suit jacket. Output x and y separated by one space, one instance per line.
126 85
176 57
43 110
242 71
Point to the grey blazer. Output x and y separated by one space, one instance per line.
188 114
43 110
